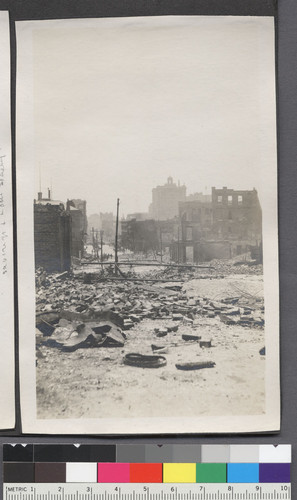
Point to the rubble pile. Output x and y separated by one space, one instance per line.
132 302
94 273
236 266
187 273
41 278
176 335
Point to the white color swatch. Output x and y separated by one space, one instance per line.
77 472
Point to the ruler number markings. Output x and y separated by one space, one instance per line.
144 492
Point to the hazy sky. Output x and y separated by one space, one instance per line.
124 104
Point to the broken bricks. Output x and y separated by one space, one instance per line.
162 332
190 337
142 301
128 324
177 317
205 343
196 365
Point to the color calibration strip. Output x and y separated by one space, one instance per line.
146 464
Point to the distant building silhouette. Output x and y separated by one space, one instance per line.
82 206
77 212
165 200
105 221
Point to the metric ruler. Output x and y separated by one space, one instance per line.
122 491
146 472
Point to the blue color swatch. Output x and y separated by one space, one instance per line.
243 473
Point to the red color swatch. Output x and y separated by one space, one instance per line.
146 473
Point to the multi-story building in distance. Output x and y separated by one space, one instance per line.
237 215
165 200
82 206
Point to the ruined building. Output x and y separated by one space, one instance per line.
139 236
52 235
199 197
78 227
229 225
165 200
237 216
196 223
138 216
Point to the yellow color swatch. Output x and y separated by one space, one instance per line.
179 473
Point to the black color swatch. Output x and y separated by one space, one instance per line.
14 472
17 453
71 453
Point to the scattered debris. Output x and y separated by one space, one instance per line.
80 316
162 332
72 335
187 336
205 343
196 365
62 276
159 348
45 328
135 301
144 361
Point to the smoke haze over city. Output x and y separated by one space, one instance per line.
163 107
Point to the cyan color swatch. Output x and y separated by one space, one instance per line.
243 473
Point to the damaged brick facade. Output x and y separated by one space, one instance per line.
237 215
196 223
52 237
229 225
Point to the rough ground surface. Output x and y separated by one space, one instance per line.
94 382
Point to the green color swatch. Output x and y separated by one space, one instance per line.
211 473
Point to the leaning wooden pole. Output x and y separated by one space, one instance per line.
116 240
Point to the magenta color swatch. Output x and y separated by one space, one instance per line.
113 473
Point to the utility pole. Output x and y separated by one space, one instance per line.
93 241
161 245
178 244
101 244
97 254
116 240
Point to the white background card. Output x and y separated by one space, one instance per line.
7 396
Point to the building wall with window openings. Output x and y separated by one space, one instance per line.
229 225
237 215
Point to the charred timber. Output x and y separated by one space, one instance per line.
132 263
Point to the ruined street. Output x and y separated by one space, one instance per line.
196 335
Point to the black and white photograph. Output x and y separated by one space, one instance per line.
147 225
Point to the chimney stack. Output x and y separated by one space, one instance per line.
39 196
